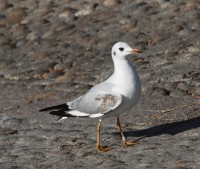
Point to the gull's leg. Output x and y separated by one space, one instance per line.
126 143
98 147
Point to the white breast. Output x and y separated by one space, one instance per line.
126 81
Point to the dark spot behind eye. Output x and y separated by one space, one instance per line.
114 53
121 49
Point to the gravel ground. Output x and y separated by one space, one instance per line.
53 51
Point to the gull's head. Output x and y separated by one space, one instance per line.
121 50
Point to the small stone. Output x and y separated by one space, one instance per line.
194 16
59 67
166 5
7 131
170 86
66 16
4 22
17 30
31 36
42 11
194 49
20 42
160 91
197 89
140 62
3 5
51 75
39 55
16 15
176 27
191 5
25 21
183 33
40 96
84 11
195 26
109 3
48 34
3 40
178 92
127 27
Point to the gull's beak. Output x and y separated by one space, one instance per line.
134 51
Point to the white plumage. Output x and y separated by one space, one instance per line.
118 94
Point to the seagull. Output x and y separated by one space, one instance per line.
116 95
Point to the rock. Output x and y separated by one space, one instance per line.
3 5
66 16
16 15
156 91
7 131
31 36
197 89
47 35
109 3
194 49
178 93
191 5
85 10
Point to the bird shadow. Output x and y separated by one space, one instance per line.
167 128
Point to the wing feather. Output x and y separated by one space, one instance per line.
99 99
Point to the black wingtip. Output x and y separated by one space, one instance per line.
60 114
63 107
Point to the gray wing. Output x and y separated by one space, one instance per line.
100 99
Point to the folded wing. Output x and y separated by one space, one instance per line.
98 100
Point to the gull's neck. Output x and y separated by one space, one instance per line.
122 66
125 79
123 71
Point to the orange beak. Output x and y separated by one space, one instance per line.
134 51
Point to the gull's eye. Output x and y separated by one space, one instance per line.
121 49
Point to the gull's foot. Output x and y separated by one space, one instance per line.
131 143
102 149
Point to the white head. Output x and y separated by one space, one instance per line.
121 50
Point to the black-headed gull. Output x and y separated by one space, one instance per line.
118 94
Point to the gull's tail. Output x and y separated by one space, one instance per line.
63 111
59 110
63 107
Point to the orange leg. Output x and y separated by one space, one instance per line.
98 147
126 143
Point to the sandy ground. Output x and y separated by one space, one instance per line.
53 51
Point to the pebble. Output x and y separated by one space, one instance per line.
3 40
31 36
127 27
42 11
59 67
47 34
197 89
166 5
160 91
25 21
66 16
183 33
7 131
3 5
194 49
178 93
109 3
17 30
16 15
39 55
86 10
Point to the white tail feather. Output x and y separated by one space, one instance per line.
77 113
